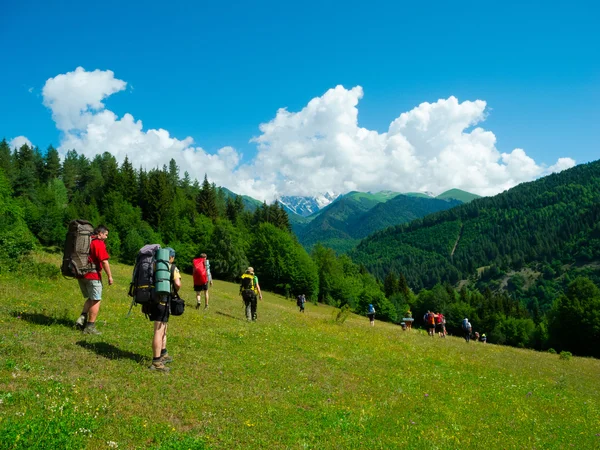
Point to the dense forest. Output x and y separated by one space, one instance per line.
520 265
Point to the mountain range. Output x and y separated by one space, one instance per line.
350 217
341 221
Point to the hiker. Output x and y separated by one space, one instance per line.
371 315
429 320
91 283
440 327
202 278
159 314
408 320
403 325
301 301
466 326
249 289
483 339
476 336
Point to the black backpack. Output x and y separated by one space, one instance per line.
142 281
76 258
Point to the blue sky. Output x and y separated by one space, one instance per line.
215 72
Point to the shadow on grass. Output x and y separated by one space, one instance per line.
42 319
109 351
228 315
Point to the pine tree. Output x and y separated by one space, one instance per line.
128 184
207 200
52 168
6 160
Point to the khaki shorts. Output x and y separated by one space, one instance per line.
91 289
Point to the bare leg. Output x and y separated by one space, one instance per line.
92 307
159 339
206 298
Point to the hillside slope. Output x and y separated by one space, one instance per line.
290 380
555 218
343 223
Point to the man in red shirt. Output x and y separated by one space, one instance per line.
91 283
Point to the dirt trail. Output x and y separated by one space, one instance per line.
457 241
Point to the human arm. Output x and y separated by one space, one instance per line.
208 272
176 279
106 267
257 287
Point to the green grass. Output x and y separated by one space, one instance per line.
290 380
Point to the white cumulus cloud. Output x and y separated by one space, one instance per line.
18 142
321 148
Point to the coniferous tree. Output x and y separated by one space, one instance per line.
6 160
52 167
207 200
128 184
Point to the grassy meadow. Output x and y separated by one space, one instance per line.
290 380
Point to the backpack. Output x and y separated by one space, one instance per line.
299 300
466 325
200 275
143 279
439 319
76 258
371 309
247 282
431 319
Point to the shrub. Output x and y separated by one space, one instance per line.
566 355
551 350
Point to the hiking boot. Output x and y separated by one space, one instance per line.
80 322
91 330
198 305
205 307
159 366
166 358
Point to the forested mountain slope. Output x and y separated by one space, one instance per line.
553 221
343 223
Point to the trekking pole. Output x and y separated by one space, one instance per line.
131 307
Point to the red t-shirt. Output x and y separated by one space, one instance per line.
98 254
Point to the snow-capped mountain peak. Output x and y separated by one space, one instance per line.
305 206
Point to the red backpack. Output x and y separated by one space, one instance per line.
200 275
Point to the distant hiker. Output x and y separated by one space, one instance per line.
403 325
483 338
301 300
159 313
408 320
440 327
429 320
250 292
202 278
371 315
476 336
91 283
466 326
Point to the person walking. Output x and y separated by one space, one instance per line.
371 315
429 320
159 314
202 278
301 301
91 283
440 327
466 326
250 292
